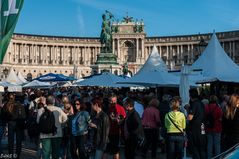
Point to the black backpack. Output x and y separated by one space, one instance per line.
209 119
47 122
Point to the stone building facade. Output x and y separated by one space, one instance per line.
34 55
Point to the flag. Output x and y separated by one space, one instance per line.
9 10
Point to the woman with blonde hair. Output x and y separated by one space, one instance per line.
175 123
230 122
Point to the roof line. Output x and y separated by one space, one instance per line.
150 37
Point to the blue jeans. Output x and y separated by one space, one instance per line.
175 147
213 143
97 155
13 129
1 135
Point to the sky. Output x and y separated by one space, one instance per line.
82 18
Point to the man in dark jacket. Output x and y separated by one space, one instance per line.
197 136
100 124
133 129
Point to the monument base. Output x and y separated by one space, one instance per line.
114 69
106 58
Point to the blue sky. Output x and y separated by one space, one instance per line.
161 17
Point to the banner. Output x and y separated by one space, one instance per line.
10 10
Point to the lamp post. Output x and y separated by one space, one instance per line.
201 46
5 72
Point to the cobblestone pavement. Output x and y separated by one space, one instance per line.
29 151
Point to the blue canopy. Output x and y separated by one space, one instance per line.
51 77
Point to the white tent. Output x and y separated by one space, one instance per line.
12 78
11 87
215 64
20 76
154 62
105 79
37 84
153 73
153 78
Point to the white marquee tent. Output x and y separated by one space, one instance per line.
12 78
20 76
105 79
37 84
153 63
215 64
153 73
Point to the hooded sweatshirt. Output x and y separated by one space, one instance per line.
178 118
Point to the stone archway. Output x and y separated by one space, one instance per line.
129 51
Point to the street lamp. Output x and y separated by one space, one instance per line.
5 72
201 46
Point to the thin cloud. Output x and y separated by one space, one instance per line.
224 14
80 18
116 8
81 21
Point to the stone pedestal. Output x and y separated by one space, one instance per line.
106 62
114 69
106 58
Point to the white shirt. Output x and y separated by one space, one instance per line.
60 119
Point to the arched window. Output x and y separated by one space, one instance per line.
129 51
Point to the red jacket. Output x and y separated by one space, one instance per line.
116 111
217 114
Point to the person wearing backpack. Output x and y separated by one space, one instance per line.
213 125
14 114
50 120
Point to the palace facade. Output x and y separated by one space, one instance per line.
34 55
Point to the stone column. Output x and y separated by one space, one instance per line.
192 55
19 52
142 51
182 57
118 50
230 49
74 59
40 53
178 54
51 53
137 50
88 53
84 56
54 54
30 53
233 51
189 49
113 46
167 54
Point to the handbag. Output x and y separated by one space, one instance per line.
89 147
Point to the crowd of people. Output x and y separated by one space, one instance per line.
94 123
